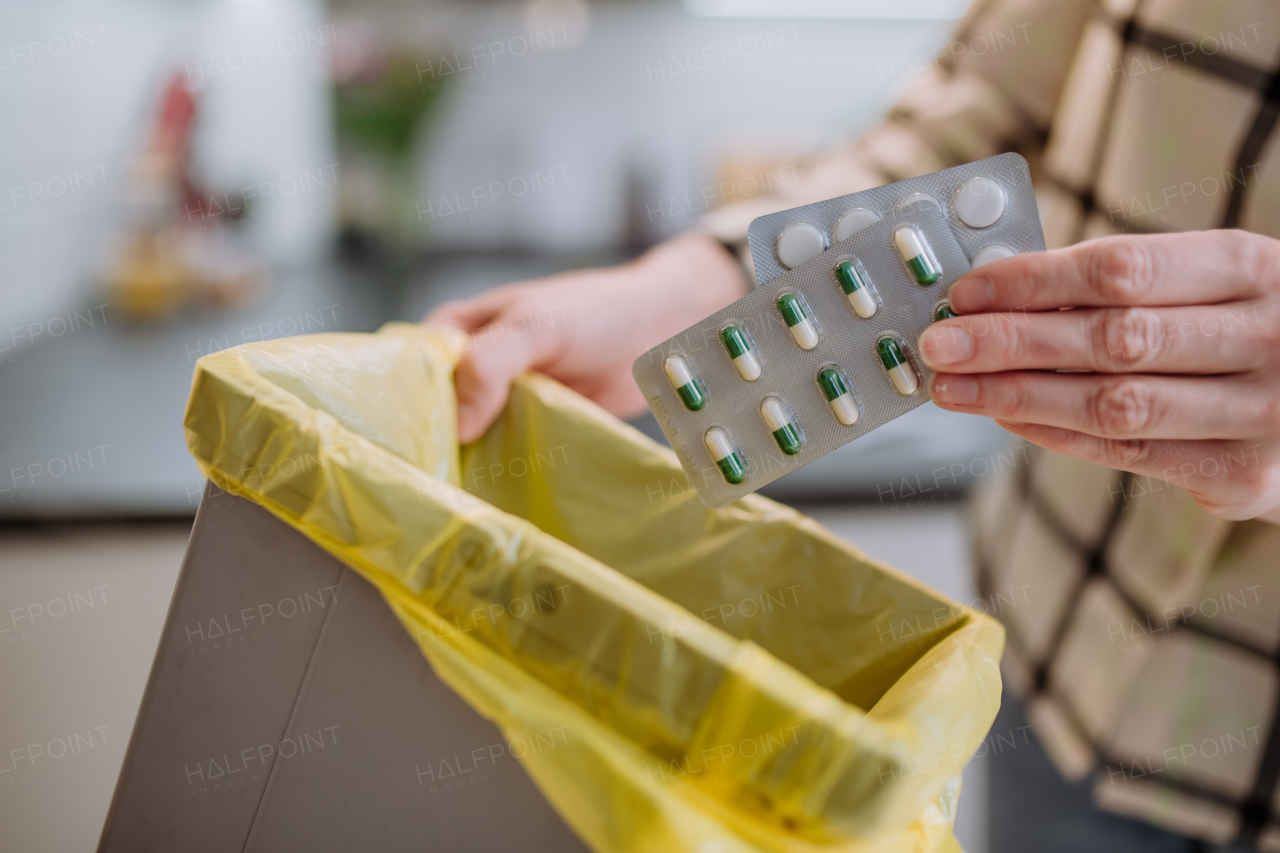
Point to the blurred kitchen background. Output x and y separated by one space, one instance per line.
182 176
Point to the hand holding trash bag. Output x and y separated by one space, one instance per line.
584 328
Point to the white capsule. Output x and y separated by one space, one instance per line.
862 303
781 425
904 379
798 320
678 371
748 366
774 415
805 334
845 409
730 462
909 242
833 386
683 381
857 289
911 245
896 365
719 444
741 352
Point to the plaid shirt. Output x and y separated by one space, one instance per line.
1144 633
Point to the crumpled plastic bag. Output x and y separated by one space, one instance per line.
688 679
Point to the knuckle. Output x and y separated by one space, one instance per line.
1012 339
1123 407
1257 481
1122 271
1015 400
1128 338
1268 334
1269 410
1258 256
1125 454
444 309
1267 484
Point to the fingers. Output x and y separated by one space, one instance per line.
1135 406
1154 269
505 342
469 314
1235 473
1204 339
483 379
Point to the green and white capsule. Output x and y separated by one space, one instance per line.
914 249
944 312
741 351
685 383
838 396
900 371
857 288
798 320
728 459
781 425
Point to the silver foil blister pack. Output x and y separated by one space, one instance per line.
961 191
747 394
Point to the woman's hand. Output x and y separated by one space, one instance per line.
584 328
1180 335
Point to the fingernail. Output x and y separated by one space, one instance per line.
972 295
942 345
955 389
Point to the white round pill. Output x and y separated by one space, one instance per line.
916 198
798 243
853 221
994 252
979 203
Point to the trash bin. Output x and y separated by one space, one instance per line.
681 678
288 710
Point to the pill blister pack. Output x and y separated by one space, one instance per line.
825 352
990 204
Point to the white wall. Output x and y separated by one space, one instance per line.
616 107
78 85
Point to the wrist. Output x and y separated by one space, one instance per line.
672 286
697 268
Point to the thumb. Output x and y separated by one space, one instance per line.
469 314
484 375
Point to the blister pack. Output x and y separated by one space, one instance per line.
825 351
990 206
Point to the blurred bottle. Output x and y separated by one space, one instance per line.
380 105
180 246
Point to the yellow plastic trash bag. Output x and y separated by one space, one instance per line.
685 679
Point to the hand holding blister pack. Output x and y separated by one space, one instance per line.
824 350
